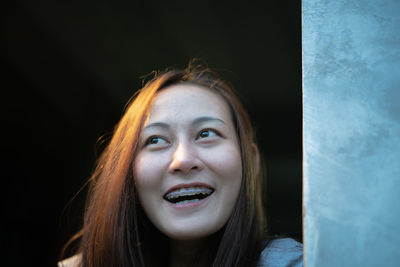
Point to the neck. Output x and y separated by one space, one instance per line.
189 252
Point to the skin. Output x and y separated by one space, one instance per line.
189 137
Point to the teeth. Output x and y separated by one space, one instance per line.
190 191
187 201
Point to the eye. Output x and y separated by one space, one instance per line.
156 140
207 133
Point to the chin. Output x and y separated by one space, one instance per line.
191 233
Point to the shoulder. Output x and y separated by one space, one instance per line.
73 261
282 252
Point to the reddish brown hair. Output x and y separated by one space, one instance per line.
116 232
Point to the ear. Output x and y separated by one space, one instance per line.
256 157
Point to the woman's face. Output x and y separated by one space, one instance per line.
188 169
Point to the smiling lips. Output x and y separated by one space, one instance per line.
186 194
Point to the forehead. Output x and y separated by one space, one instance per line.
185 101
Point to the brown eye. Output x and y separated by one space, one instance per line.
207 133
156 140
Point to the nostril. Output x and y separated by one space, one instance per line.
177 170
194 168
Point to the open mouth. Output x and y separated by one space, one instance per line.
188 195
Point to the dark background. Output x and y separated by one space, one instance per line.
69 67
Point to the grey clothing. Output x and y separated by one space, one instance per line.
283 252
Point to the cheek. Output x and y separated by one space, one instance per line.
147 173
227 162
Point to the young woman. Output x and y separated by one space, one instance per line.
179 184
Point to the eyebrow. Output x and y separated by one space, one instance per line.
205 119
158 124
198 120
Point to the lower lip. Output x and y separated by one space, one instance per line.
189 205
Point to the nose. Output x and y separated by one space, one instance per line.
185 159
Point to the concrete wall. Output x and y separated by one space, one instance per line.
351 97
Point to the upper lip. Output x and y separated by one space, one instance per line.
179 186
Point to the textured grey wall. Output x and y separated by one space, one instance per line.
351 97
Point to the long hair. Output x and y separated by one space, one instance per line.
116 232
